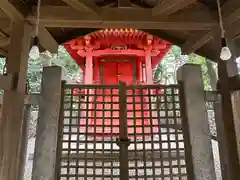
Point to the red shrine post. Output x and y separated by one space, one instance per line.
113 55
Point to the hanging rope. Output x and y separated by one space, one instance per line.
38 17
220 19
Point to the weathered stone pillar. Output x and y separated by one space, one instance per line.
12 146
197 122
47 125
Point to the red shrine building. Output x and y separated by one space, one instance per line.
112 55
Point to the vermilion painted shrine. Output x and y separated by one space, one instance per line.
109 56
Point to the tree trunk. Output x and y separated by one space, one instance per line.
212 74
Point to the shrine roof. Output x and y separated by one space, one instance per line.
191 24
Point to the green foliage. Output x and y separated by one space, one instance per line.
63 59
2 63
165 72
167 69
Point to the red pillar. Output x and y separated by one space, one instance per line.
88 79
148 67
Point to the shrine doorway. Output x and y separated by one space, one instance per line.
114 71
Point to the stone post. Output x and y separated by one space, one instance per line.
47 125
196 121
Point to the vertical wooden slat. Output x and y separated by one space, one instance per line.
236 113
231 154
11 123
123 139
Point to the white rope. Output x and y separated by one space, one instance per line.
38 17
220 19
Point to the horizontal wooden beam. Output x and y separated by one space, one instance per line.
83 6
115 52
6 82
31 99
231 12
168 7
147 155
124 3
65 16
10 10
195 43
45 38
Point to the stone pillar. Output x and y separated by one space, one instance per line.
12 146
149 75
89 70
47 125
196 120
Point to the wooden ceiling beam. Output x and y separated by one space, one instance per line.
82 5
195 43
3 52
124 3
167 7
5 41
65 16
192 45
46 40
5 23
10 10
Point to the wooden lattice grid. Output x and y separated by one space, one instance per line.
89 149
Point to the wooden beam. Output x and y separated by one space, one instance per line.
6 82
124 3
168 7
5 23
3 52
31 99
47 41
195 43
11 122
5 41
59 16
230 17
115 52
10 10
83 6
45 38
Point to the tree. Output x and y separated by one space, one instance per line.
62 59
167 69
